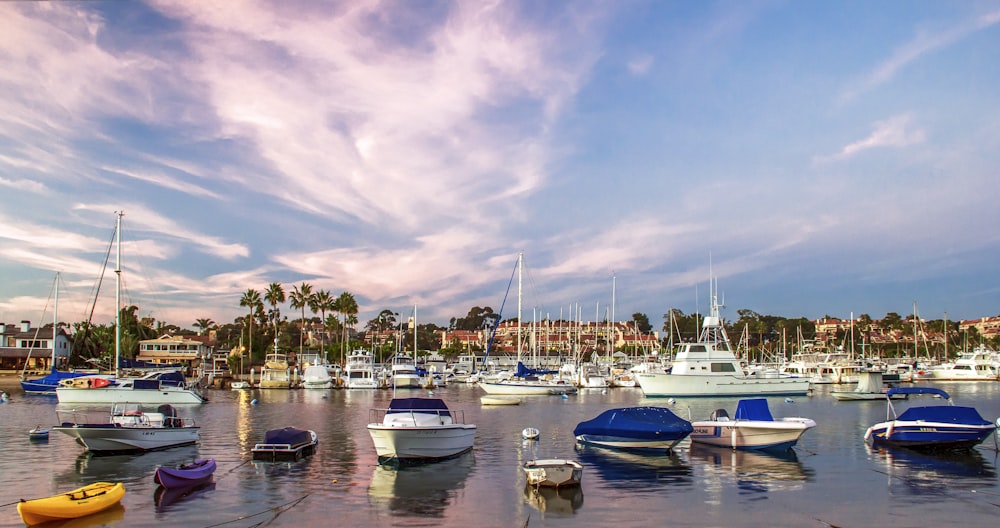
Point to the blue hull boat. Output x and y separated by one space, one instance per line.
942 427
634 428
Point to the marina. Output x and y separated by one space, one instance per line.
831 477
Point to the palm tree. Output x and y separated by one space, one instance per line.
275 295
323 303
348 308
251 300
301 297
204 324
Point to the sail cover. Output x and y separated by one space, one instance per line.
642 423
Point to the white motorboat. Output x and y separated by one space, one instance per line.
709 367
977 365
403 372
129 428
419 428
752 427
553 472
153 388
276 373
316 377
360 371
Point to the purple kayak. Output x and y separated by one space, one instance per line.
185 475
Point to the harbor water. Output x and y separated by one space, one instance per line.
831 478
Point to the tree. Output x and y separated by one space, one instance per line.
204 324
251 300
323 302
301 297
275 295
641 321
347 306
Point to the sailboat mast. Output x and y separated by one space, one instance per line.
55 322
118 292
520 257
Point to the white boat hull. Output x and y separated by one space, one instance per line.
526 388
401 442
653 384
751 434
122 439
406 381
114 394
553 473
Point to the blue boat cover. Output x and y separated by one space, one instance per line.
944 414
641 423
420 405
917 390
287 435
754 409
525 372
50 381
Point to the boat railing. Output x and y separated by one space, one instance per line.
419 417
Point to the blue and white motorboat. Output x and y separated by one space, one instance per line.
415 429
288 444
634 428
752 427
930 427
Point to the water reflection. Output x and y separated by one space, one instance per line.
556 502
754 471
934 473
426 490
130 467
108 517
165 497
636 471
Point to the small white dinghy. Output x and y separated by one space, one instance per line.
488 400
553 472
38 433
530 433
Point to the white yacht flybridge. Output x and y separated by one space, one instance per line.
709 367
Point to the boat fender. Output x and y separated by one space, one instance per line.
888 430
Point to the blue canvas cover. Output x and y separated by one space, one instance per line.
917 390
944 414
287 435
640 423
754 409
420 405
525 372
50 381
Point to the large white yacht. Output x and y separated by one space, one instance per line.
360 370
710 368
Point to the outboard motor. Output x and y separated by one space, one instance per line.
719 415
170 418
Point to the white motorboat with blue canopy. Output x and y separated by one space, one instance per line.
752 427
941 427
634 428
414 429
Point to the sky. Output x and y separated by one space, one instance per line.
811 158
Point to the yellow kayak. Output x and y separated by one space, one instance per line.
70 505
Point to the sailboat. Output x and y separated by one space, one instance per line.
526 380
48 383
147 390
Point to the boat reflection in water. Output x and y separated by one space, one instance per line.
919 473
166 497
555 502
425 490
115 468
109 517
635 470
754 471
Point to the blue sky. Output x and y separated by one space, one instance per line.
818 158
